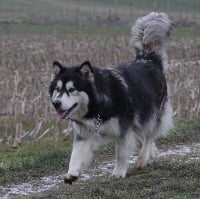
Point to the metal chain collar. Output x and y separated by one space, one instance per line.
98 123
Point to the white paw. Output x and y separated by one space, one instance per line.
118 174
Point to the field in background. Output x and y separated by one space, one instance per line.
25 73
24 16
33 34
70 11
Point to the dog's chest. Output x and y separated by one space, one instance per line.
94 127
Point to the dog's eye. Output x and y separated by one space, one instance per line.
71 90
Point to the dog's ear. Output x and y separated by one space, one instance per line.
86 71
57 67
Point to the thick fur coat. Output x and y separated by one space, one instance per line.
122 104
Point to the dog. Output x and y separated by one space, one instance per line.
122 104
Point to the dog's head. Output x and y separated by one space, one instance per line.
70 90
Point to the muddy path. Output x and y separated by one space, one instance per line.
102 169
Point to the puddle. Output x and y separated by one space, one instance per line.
103 169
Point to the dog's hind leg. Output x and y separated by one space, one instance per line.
123 148
147 153
153 152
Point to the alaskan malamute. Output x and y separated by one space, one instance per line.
119 104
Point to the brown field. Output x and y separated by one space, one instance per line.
25 74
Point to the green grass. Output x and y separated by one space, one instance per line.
45 12
175 177
90 30
28 6
63 29
184 132
33 160
188 32
167 178
48 11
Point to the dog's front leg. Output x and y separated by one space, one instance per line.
81 157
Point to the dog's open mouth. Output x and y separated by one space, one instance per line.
62 114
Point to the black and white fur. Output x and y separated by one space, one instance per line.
119 104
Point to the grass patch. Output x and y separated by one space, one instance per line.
164 179
186 32
33 160
156 5
171 177
176 177
89 30
184 132
64 29
15 9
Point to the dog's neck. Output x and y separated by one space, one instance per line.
97 124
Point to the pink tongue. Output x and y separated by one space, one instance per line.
61 115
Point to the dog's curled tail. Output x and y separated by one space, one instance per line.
149 37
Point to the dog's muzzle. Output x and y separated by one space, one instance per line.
61 113
57 104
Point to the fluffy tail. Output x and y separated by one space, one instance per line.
149 37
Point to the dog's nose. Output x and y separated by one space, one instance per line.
56 104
